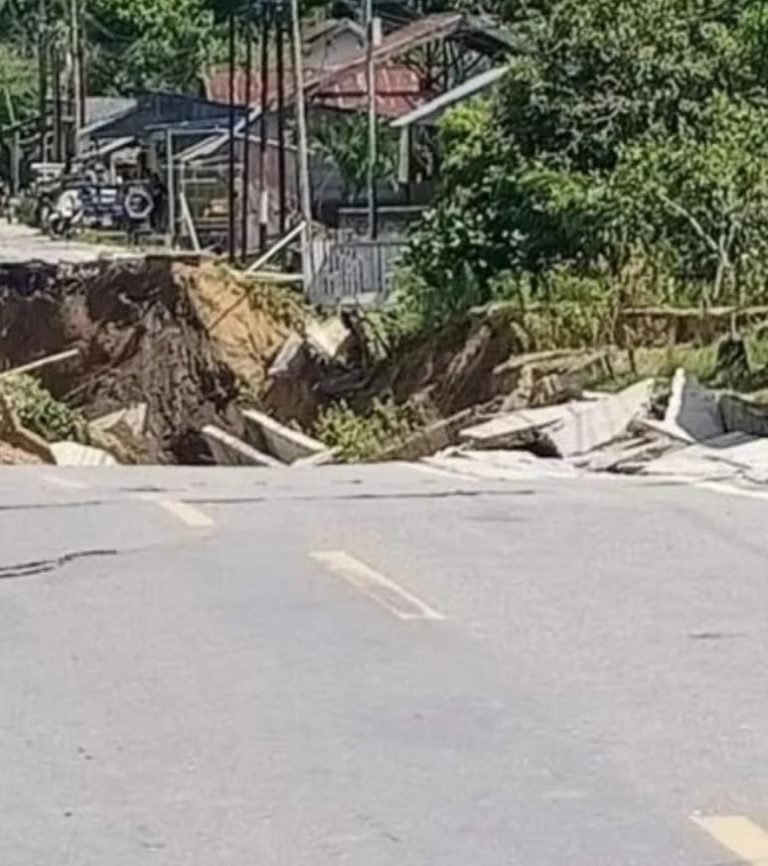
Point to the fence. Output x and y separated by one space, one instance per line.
207 194
354 270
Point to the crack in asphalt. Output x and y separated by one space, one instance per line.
376 497
39 506
43 566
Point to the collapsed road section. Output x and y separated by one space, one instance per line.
167 360
146 377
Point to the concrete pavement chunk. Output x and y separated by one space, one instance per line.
228 450
744 416
569 429
592 424
74 454
287 445
511 428
733 455
693 413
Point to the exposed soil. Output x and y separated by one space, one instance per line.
447 372
10 455
140 340
247 321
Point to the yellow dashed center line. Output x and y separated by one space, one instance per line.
739 835
183 511
403 604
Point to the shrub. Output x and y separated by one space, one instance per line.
358 436
40 412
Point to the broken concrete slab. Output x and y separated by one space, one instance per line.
287 445
513 429
328 338
549 377
121 434
228 450
728 456
290 359
627 456
565 430
74 454
500 465
693 413
322 458
432 438
741 415
590 424
133 418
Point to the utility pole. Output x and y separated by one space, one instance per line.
15 145
77 87
264 17
82 69
58 129
246 187
279 26
42 48
171 184
370 74
232 243
303 150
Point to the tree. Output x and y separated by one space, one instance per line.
556 170
343 141
702 199
603 72
18 85
149 44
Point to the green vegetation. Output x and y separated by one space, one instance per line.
133 45
365 436
343 140
150 44
709 363
41 413
18 85
626 149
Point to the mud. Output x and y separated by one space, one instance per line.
140 340
445 373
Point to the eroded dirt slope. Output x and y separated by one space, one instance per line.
140 340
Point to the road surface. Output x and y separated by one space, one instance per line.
379 666
20 243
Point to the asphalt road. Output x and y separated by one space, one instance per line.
20 243
379 666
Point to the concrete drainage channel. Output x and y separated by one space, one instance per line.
266 443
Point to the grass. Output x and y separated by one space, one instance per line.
41 413
703 362
360 437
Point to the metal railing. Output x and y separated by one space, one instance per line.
354 269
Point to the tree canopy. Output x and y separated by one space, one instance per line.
630 130
149 44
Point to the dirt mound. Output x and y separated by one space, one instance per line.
248 321
452 369
141 340
10 455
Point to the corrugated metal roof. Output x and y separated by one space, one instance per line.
346 76
101 107
394 45
100 110
457 94
398 89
